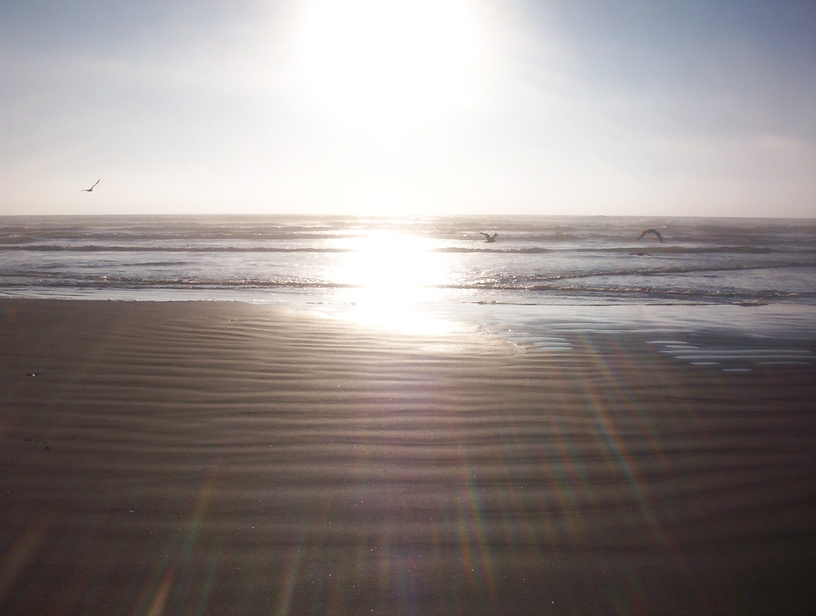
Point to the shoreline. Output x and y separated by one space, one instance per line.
206 457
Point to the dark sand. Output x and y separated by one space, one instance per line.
215 458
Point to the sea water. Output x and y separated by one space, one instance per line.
534 260
540 274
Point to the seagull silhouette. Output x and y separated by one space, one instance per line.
490 238
653 232
91 188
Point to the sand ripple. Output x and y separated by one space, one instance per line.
224 458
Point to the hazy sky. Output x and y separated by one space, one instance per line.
690 107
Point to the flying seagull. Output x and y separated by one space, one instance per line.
653 232
91 188
490 238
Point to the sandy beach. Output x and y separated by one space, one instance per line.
203 458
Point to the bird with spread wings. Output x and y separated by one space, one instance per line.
654 232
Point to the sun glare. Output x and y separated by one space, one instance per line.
385 277
389 268
395 60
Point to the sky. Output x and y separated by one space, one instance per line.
414 107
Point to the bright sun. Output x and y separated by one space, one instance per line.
379 59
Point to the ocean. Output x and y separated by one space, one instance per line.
541 274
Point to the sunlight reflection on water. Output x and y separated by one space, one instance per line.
385 277
385 267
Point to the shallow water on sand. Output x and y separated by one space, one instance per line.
720 337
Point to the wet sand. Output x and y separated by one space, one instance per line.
217 458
